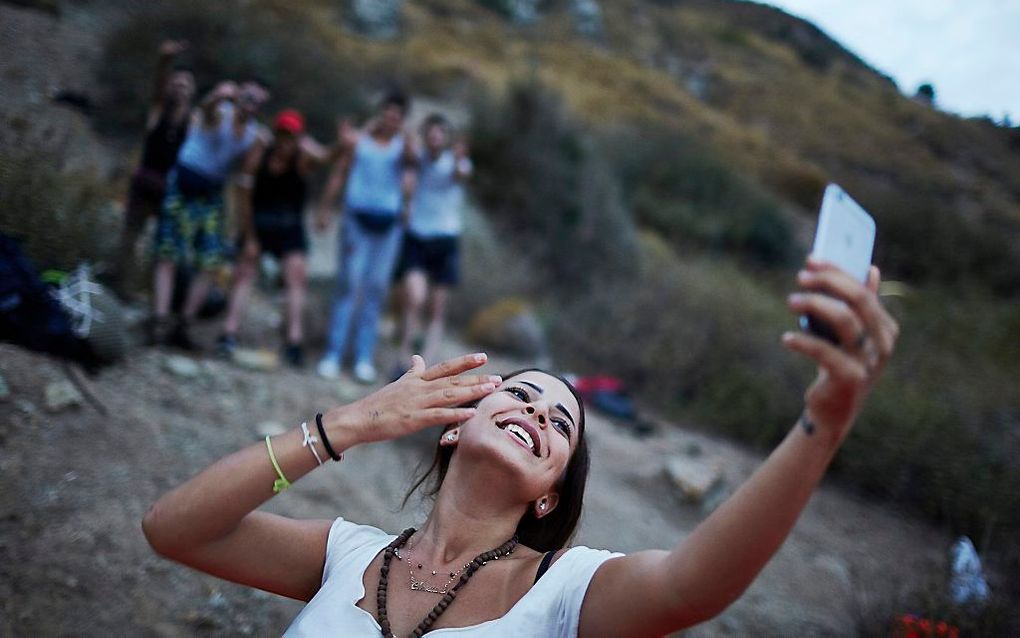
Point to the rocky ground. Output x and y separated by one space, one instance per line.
76 484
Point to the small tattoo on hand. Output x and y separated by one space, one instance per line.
806 423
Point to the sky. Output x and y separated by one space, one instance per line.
969 50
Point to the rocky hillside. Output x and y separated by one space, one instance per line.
771 93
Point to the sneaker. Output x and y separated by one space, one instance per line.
364 372
181 338
294 355
226 345
159 330
328 368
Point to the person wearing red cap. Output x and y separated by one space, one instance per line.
271 218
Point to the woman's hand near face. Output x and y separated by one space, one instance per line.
422 398
847 372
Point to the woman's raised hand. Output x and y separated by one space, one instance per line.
423 397
866 332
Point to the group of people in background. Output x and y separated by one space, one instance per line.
399 195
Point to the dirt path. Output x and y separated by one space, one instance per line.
75 486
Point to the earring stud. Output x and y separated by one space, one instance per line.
541 506
450 436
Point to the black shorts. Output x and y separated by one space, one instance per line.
279 234
438 257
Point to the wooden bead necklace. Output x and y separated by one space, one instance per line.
467 572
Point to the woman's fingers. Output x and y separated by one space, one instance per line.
829 279
454 395
848 327
455 366
442 416
874 279
417 364
835 360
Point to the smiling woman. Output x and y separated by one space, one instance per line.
491 558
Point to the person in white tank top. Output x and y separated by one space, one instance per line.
372 172
492 558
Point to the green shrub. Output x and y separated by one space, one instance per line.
693 335
679 188
549 190
230 40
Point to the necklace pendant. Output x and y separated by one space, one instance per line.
421 585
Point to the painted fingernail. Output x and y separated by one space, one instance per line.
479 357
787 337
805 275
496 379
795 298
488 387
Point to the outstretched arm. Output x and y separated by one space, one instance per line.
210 523
656 592
209 108
244 188
334 186
168 50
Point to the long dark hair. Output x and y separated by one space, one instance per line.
554 530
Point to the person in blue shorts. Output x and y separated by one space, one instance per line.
430 260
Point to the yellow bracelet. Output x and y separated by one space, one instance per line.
281 483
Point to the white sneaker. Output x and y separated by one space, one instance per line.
328 368
364 372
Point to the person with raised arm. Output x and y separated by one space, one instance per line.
166 125
191 222
372 173
492 557
430 259
270 202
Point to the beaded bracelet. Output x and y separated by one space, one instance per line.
325 440
281 483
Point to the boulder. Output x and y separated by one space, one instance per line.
377 18
61 395
587 16
260 360
509 325
696 478
182 366
270 428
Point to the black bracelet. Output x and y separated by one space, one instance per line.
806 423
325 441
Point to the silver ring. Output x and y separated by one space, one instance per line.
862 338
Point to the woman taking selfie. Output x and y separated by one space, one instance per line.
491 558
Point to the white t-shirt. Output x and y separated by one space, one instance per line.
439 199
552 607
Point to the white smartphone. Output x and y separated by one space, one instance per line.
845 237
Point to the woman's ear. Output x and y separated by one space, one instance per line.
450 437
546 504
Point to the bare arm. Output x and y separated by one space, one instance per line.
463 168
659 592
209 108
334 187
210 523
244 189
168 50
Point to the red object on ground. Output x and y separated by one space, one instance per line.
911 626
588 386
